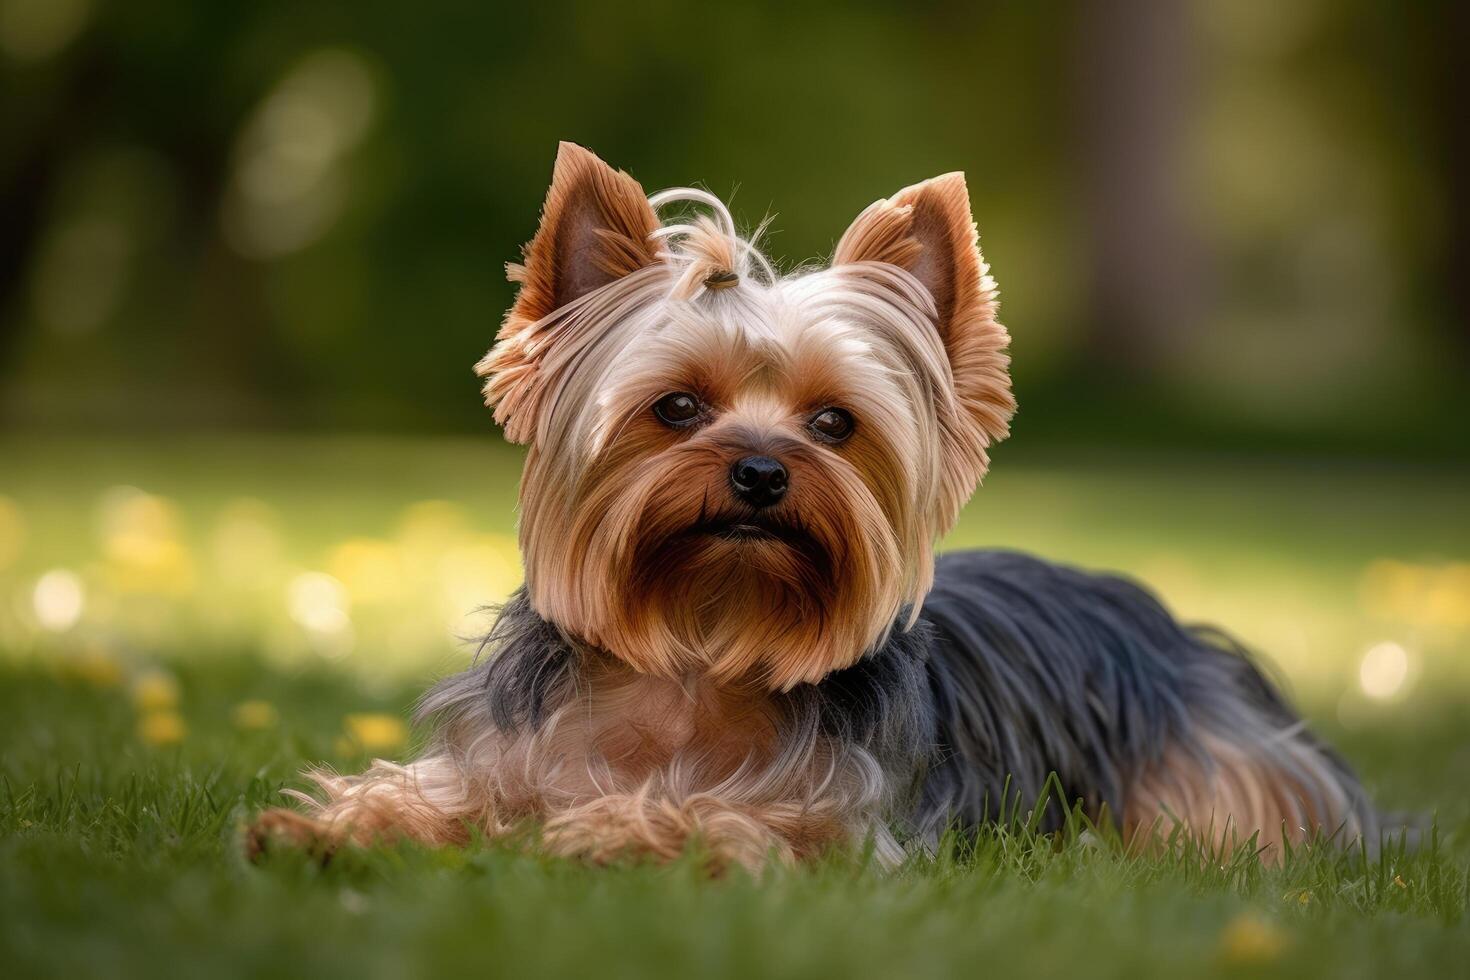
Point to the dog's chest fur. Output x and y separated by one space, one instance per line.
641 726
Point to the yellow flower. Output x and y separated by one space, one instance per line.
141 539
155 690
162 728
254 715
369 568
95 666
376 732
1251 939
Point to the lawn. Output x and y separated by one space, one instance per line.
185 623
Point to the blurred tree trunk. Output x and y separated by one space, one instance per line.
1136 63
30 171
1447 95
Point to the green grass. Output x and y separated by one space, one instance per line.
119 850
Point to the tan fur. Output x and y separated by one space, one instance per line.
1221 801
635 766
675 730
927 230
673 735
595 228
609 495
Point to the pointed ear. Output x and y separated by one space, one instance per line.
928 231
595 228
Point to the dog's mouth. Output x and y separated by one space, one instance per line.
741 531
731 542
750 530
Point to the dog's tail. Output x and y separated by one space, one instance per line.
1041 668
1248 764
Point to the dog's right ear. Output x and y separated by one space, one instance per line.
927 230
595 228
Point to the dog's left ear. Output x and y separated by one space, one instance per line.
928 231
595 228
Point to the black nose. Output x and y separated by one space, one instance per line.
759 480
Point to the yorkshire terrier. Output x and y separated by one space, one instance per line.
734 631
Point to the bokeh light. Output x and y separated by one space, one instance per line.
246 548
33 30
288 185
143 543
58 600
1383 670
319 604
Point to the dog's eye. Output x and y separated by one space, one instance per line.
678 409
831 425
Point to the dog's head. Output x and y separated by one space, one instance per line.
733 473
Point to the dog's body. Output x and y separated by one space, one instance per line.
732 629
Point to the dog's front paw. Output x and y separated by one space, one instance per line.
637 827
282 829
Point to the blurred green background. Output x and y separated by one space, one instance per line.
1212 221
250 251
250 500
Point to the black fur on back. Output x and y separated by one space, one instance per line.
1038 668
1016 669
529 670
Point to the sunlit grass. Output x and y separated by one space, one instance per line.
379 554
121 856
183 627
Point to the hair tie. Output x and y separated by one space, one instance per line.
721 279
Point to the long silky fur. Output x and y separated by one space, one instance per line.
1017 669
1038 668
530 666
660 681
